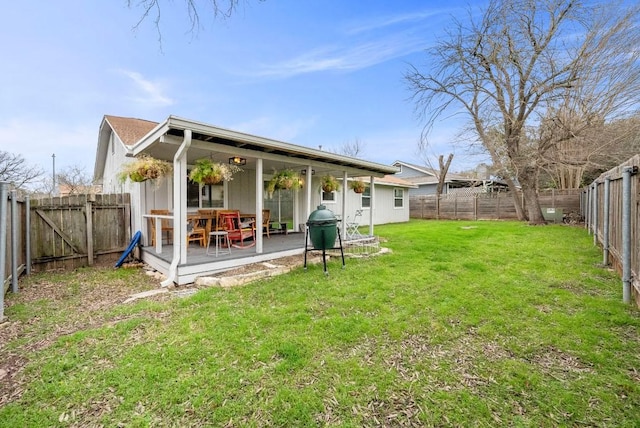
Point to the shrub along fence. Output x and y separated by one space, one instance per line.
556 206
59 232
612 216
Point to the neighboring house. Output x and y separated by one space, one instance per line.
183 141
426 181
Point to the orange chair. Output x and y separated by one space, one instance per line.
196 232
237 231
266 222
166 226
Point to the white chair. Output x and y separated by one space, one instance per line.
352 225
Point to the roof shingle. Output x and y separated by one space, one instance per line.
128 129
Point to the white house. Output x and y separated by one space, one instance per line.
182 142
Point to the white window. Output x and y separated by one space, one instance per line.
398 198
366 197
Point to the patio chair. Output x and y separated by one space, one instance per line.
352 225
237 231
196 232
166 226
209 219
266 222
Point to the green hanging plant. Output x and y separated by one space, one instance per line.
329 183
145 168
284 180
207 171
357 186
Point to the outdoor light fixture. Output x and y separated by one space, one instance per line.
304 172
237 160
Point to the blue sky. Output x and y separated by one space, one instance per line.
306 72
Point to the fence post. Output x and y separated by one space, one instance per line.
595 213
605 221
14 241
27 238
89 219
626 232
3 242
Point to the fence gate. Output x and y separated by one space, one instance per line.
74 230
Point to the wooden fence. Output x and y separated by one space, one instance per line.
60 232
490 206
77 230
608 204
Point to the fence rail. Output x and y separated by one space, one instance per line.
489 206
612 216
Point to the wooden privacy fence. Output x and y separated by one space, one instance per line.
59 232
610 206
12 253
489 206
76 230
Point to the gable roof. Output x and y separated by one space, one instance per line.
423 169
129 130
163 139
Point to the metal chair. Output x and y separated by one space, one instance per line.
352 225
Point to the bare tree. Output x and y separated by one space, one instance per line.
521 58
352 148
74 180
152 9
15 170
584 145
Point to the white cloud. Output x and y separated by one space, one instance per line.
388 21
147 92
346 58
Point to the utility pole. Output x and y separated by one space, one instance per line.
54 192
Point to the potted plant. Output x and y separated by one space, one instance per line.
207 171
283 180
357 186
145 168
329 183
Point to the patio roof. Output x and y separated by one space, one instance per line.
211 141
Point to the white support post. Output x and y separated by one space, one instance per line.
372 200
343 228
259 205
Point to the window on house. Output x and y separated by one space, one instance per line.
398 198
213 196
366 197
193 193
329 197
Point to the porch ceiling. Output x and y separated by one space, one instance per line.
220 144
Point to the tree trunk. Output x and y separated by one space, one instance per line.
529 182
516 199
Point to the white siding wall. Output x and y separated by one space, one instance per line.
383 207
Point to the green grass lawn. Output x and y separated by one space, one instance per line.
463 324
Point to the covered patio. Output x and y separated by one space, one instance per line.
182 142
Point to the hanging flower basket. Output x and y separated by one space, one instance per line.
284 180
329 183
207 171
357 186
145 168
